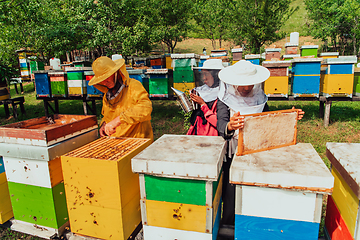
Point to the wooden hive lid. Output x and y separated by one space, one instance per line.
108 148
297 167
341 60
45 131
182 156
344 157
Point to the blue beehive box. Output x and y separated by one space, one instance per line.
91 90
42 83
2 168
305 80
253 58
139 75
203 59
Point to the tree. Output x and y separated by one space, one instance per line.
169 20
213 18
259 21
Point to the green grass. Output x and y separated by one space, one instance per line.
297 21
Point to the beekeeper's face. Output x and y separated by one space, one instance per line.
245 90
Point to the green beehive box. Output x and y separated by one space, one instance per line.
309 50
39 205
183 76
158 87
357 82
58 82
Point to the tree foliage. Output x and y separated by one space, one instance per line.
335 21
259 21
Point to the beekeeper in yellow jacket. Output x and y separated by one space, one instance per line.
126 105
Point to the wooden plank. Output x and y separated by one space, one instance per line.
37 230
346 201
269 130
277 204
334 222
175 190
160 233
182 156
176 216
297 167
258 228
36 205
47 153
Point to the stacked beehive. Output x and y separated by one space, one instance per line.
305 79
279 193
160 82
203 58
91 90
31 150
278 82
272 54
325 55
342 215
338 78
168 61
157 61
220 54
103 195
183 73
139 75
5 204
237 54
58 83
4 90
253 58
76 80
291 48
181 186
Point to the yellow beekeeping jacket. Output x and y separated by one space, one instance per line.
133 106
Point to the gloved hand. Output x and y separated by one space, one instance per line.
102 130
236 122
110 127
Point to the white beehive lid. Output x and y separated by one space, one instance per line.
345 159
309 46
297 167
184 55
325 54
236 50
182 156
289 44
291 56
272 49
307 59
341 60
157 71
73 69
252 56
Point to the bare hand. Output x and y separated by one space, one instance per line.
102 130
236 122
110 127
300 114
197 99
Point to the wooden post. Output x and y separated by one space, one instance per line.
56 105
327 113
46 107
85 107
321 109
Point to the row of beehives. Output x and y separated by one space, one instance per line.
178 192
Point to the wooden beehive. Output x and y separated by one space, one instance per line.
278 82
181 186
342 215
272 53
267 130
46 131
102 192
31 151
76 80
5 204
279 193
58 82
338 79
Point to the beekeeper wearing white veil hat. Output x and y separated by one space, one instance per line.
240 94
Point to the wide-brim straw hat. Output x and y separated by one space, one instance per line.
104 67
244 73
215 64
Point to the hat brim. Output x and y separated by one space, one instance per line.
208 68
98 79
229 76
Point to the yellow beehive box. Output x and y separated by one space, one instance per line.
184 87
102 193
332 85
277 85
6 211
